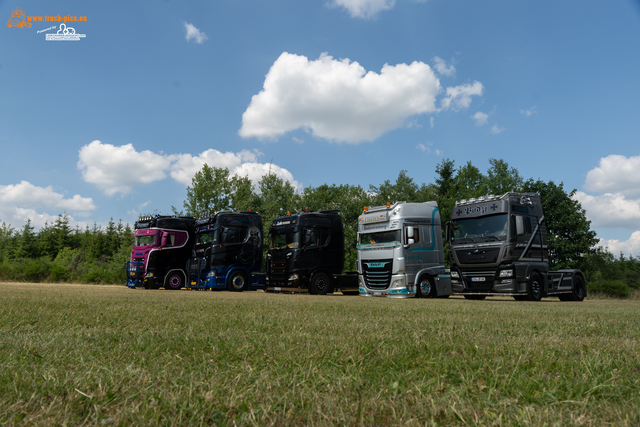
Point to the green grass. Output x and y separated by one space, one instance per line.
107 355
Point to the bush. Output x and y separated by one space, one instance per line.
36 270
614 288
59 273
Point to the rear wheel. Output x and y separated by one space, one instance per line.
320 283
426 288
579 291
237 281
174 280
534 287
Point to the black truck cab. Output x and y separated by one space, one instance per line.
306 252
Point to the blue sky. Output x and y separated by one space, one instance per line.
320 91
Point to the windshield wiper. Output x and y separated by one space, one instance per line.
466 238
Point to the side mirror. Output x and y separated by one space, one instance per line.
409 240
447 231
163 240
307 237
519 225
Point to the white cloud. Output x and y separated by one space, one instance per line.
116 169
627 247
441 67
531 111
427 149
363 8
241 164
27 195
25 200
480 118
617 178
192 33
459 97
610 210
338 100
495 129
616 173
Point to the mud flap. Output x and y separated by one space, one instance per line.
443 284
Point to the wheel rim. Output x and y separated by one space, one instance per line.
238 281
535 288
579 291
425 287
321 284
175 281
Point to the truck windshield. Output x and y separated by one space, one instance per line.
494 227
380 237
207 237
149 239
285 240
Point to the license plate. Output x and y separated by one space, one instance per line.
277 289
478 279
377 294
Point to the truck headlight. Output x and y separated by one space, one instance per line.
454 274
293 277
398 283
506 273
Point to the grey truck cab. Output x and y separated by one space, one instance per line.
498 246
400 253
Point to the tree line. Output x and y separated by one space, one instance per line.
96 255
60 253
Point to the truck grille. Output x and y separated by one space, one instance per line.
195 265
134 269
478 256
278 271
473 279
377 273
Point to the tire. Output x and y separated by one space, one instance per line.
320 283
475 297
579 291
534 287
175 280
426 288
237 281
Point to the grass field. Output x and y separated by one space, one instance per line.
108 355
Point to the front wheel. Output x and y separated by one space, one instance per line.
320 283
426 288
237 281
174 280
534 287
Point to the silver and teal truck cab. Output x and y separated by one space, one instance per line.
400 253
498 246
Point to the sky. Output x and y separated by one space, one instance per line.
115 123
